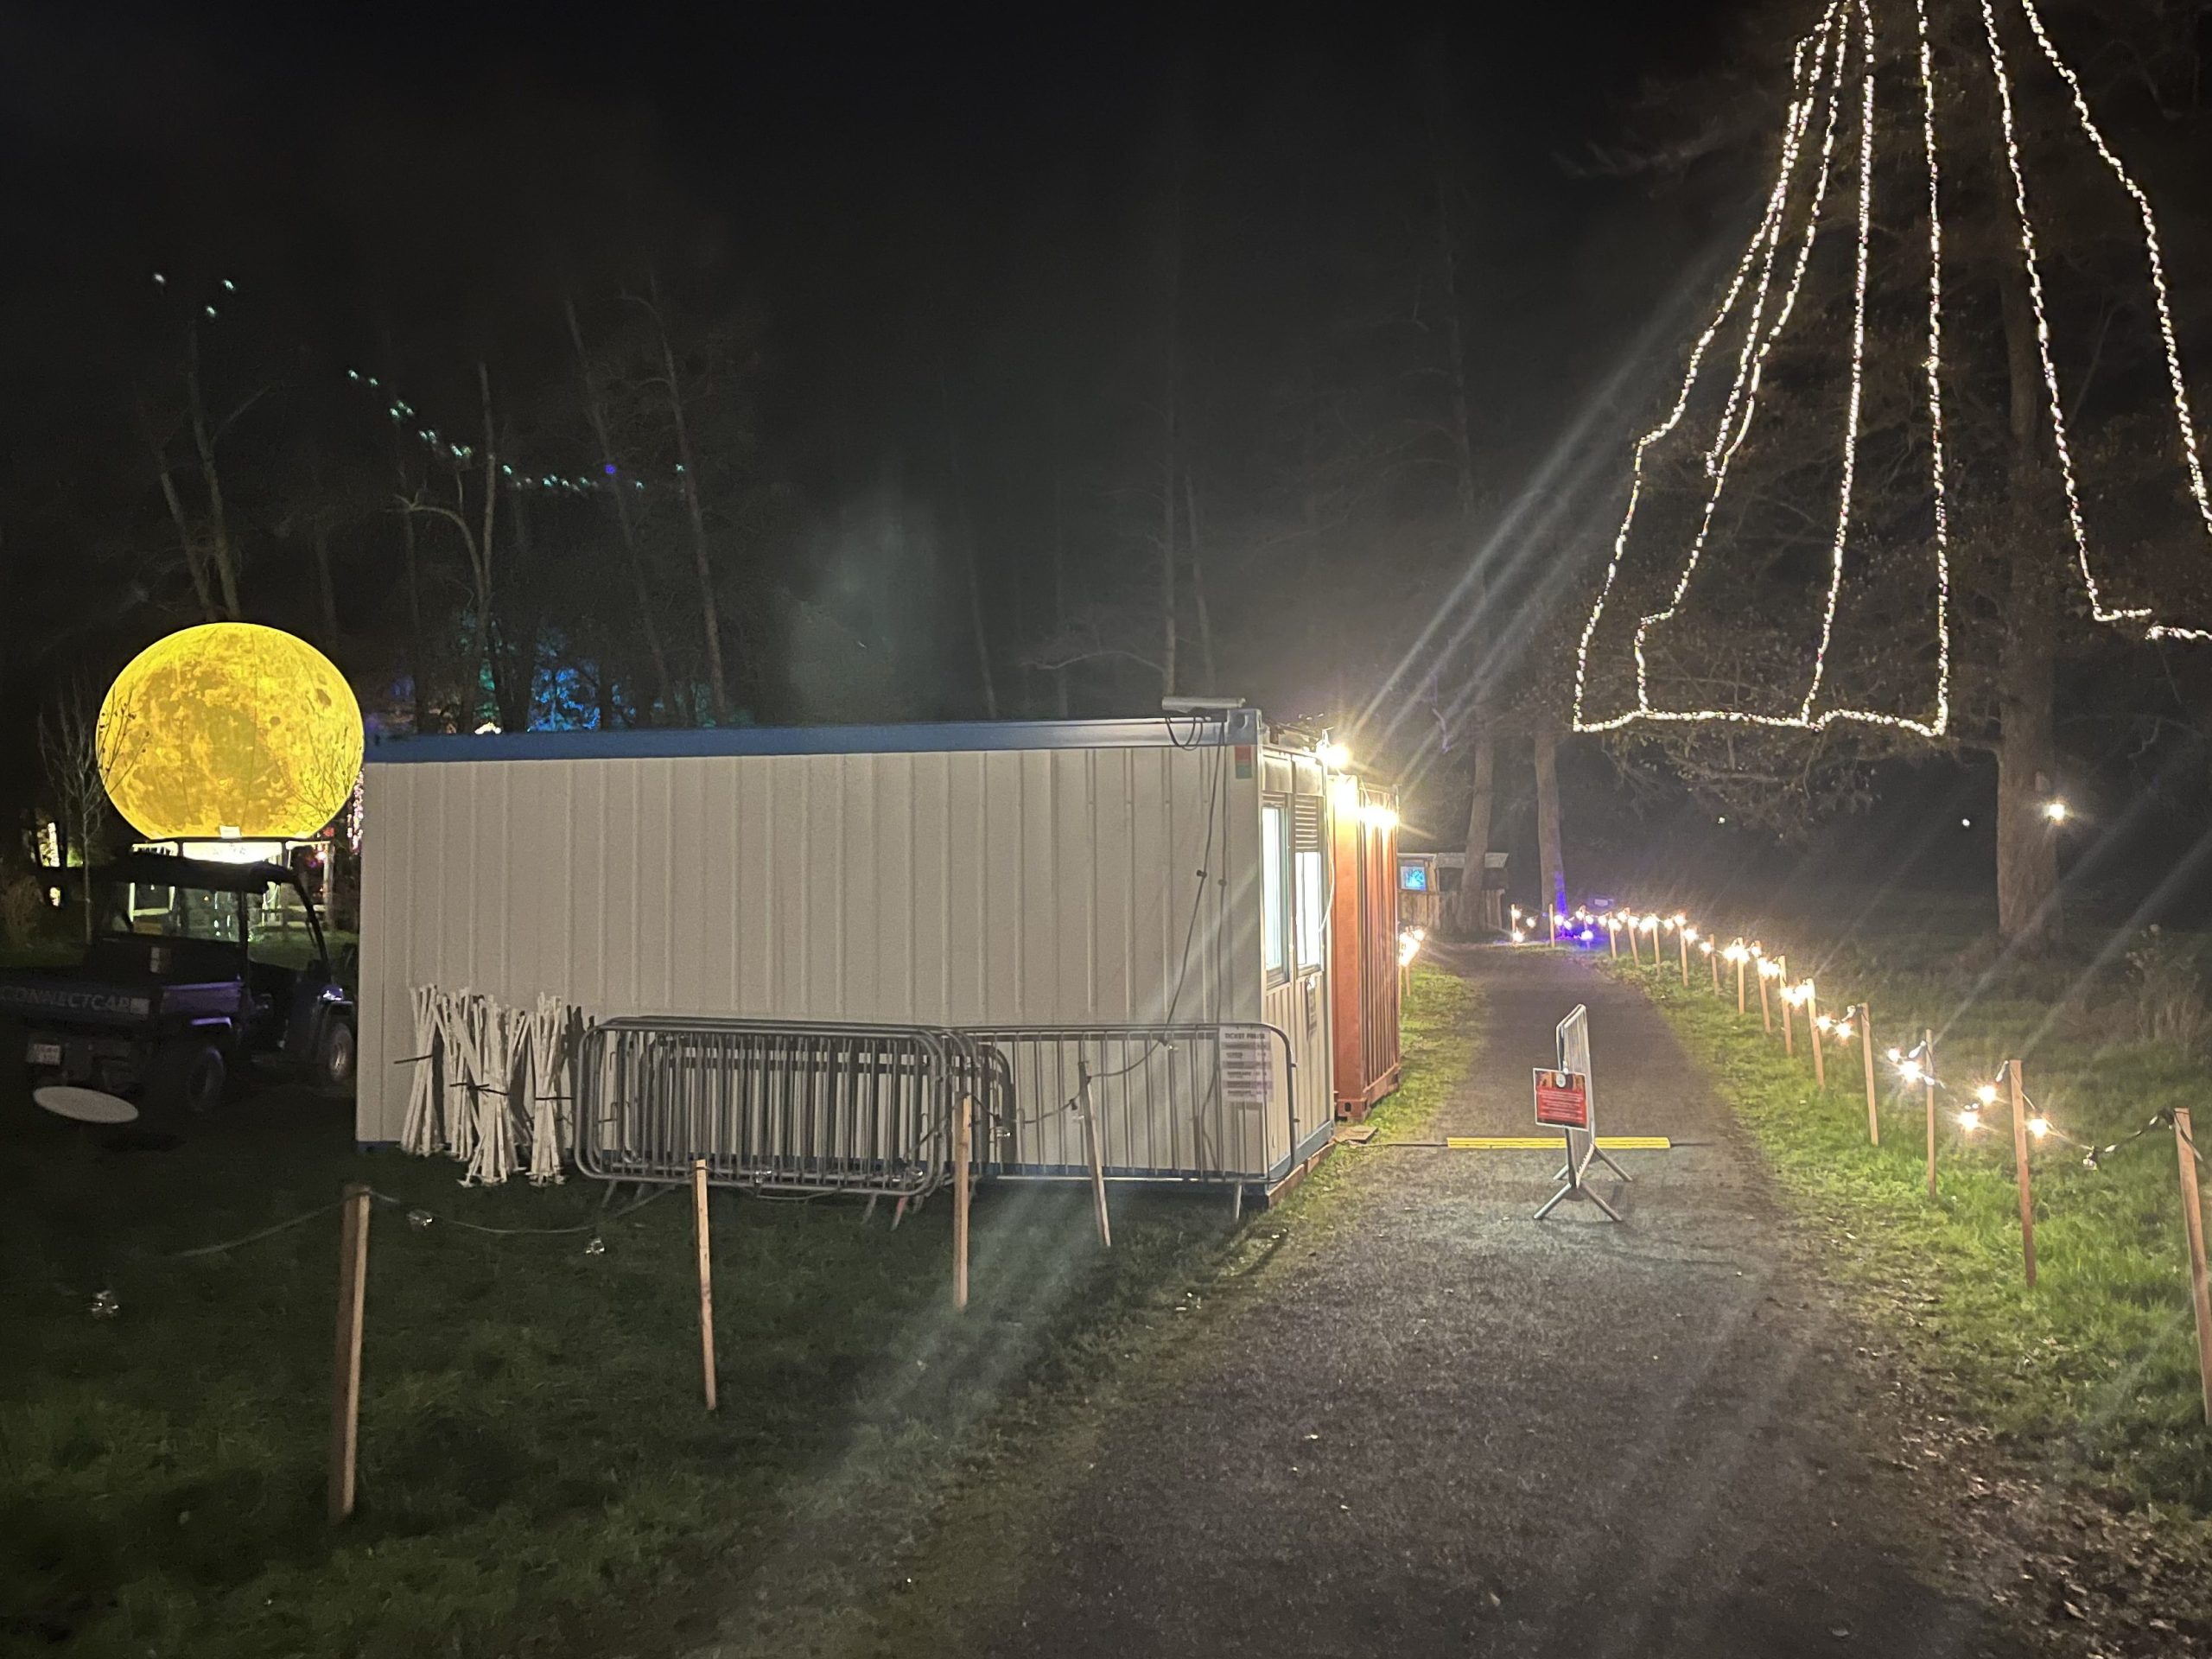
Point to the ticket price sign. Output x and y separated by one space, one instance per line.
1562 1099
1564 1103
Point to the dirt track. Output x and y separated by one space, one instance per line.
1450 1429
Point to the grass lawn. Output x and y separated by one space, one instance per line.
2096 1367
537 1475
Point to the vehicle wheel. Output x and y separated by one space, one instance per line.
188 1075
334 1060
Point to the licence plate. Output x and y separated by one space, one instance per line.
43 1054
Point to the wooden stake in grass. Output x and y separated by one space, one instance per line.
1927 1076
1713 957
1093 1152
1613 939
1682 938
960 1132
2021 1165
346 1371
1766 1009
2192 1221
1634 955
705 1277
1815 1036
1866 1058
1740 988
1789 1045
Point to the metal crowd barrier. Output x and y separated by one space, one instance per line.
1156 1092
777 1106
805 1107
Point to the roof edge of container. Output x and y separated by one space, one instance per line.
1240 725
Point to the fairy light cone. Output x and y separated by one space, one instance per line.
1868 98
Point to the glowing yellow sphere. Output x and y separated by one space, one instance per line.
229 729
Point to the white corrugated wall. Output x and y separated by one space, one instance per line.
998 887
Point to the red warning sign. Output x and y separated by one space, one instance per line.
1563 1099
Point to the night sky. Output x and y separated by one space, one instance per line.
935 249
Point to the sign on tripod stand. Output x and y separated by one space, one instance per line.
1564 1103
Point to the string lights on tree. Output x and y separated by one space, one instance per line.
1833 68
403 414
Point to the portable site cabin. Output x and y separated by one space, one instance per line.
1070 890
1364 943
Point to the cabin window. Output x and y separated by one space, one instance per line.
1310 876
1313 908
1275 893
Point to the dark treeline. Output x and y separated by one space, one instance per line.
797 379
703 371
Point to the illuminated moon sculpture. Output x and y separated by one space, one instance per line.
229 730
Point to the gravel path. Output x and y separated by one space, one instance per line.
1448 1429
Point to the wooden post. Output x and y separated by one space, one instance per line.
1866 1058
960 1134
2192 1221
1782 987
1683 940
1815 1036
705 1277
1634 955
2020 1166
1095 1153
1713 957
1928 1085
1766 1009
346 1371
1613 941
1740 988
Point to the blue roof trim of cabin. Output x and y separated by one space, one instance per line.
660 742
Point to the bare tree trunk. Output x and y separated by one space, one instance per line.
1553 866
648 628
701 565
1480 806
1167 640
486 549
222 554
415 655
515 662
194 563
2027 852
1479 812
967 520
1170 429
1059 558
1198 584
68 744
326 590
